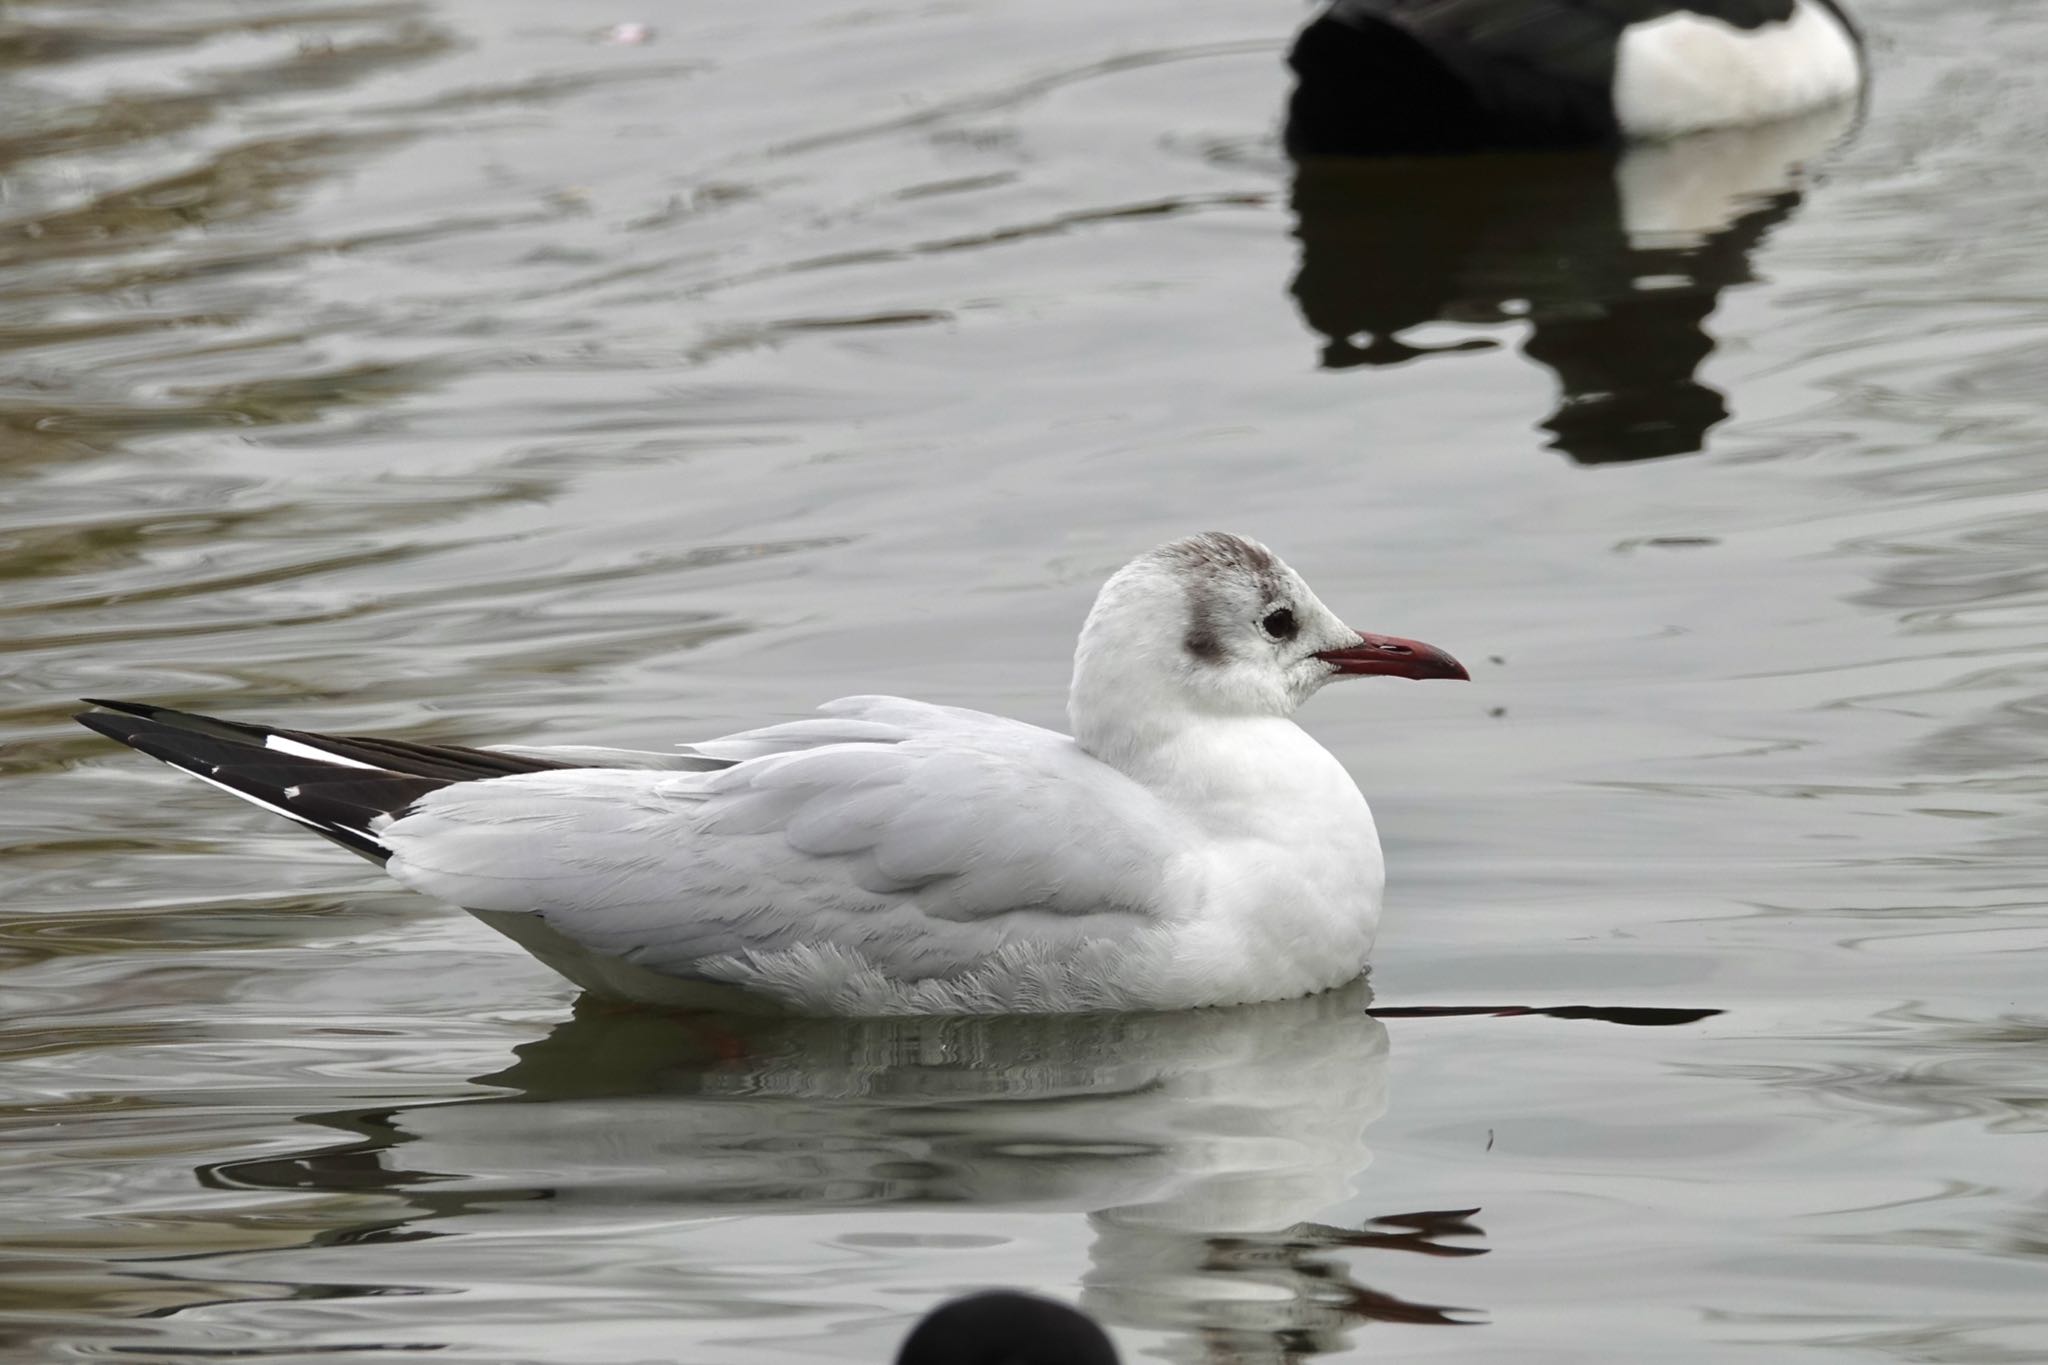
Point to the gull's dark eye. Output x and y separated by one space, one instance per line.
1280 624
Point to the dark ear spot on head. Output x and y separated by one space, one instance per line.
1203 644
1220 551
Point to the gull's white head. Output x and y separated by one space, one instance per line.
1218 625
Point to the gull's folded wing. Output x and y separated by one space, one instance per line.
920 838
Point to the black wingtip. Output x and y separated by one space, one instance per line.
133 708
102 723
191 722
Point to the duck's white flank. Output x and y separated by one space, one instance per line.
1687 72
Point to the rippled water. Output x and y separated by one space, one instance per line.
445 368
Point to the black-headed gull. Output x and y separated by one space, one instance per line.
1408 77
1188 845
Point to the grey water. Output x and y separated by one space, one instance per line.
455 369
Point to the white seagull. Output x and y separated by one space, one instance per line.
1188 845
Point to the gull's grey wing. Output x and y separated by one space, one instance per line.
594 756
850 720
920 838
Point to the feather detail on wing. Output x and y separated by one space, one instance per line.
593 756
929 837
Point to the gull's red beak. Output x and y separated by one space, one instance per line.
1395 657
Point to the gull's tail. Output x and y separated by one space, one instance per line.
345 787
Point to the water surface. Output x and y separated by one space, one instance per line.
447 369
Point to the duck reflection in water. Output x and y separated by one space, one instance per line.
1612 260
1213 1152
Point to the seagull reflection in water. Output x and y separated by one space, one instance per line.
1611 260
1206 1151
1203 1148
